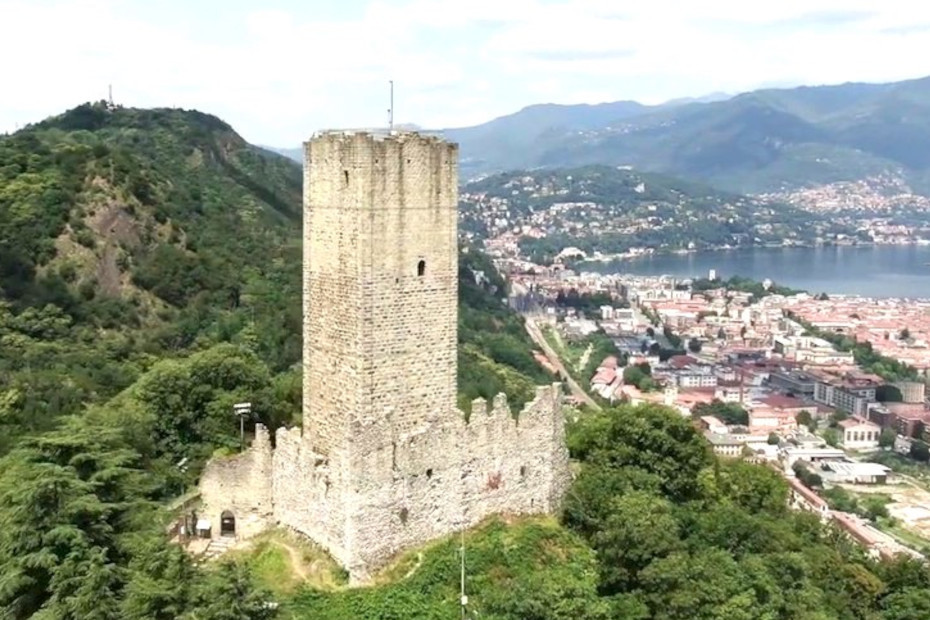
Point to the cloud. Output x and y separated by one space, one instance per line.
277 74
574 55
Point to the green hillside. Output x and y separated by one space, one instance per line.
611 210
149 279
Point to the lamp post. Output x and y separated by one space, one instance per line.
242 410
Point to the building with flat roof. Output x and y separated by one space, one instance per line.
854 473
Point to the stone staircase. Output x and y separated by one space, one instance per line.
218 547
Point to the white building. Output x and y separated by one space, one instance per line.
859 434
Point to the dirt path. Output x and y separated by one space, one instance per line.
583 362
536 334
297 563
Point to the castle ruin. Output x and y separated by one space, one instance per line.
384 459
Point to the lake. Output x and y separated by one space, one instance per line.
872 271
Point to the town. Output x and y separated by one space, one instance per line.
604 214
829 390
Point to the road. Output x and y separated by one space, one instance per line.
536 334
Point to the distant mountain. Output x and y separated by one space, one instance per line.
765 140
296 154
709 98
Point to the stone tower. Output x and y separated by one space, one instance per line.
380 286
385 460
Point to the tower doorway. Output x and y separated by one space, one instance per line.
227 524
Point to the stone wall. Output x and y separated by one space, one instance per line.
380 284
240 484
449 474
427 485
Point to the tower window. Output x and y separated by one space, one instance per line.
421 268
346 173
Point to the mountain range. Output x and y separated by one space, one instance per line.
765 140
768 140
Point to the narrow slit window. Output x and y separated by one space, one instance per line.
421 268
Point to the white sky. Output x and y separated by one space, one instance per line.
278 70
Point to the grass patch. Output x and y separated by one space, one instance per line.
906 536
284 563
509 565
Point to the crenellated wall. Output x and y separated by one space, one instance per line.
427 485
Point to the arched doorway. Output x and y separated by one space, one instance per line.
227 524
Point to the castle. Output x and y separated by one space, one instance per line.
384 459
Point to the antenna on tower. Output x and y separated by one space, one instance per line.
391 108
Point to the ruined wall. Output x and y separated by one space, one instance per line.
241 484
450 474
309 492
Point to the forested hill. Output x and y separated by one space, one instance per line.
131 235
611 210
127 236
150 278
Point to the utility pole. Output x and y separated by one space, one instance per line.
464 597
242 410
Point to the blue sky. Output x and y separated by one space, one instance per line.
279 69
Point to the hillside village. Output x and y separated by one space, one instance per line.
600 213
766 373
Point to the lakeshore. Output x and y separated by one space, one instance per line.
869 271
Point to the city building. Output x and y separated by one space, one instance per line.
859 434
725 445
852 392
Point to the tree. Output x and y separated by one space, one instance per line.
228 594
640 529
832 437
728 413
887 438
648 439
694 345
920 451
804 418
773 439
875 507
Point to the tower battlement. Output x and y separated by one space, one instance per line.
385 460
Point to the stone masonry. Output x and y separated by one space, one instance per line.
384 459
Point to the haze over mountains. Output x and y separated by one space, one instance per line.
760 141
